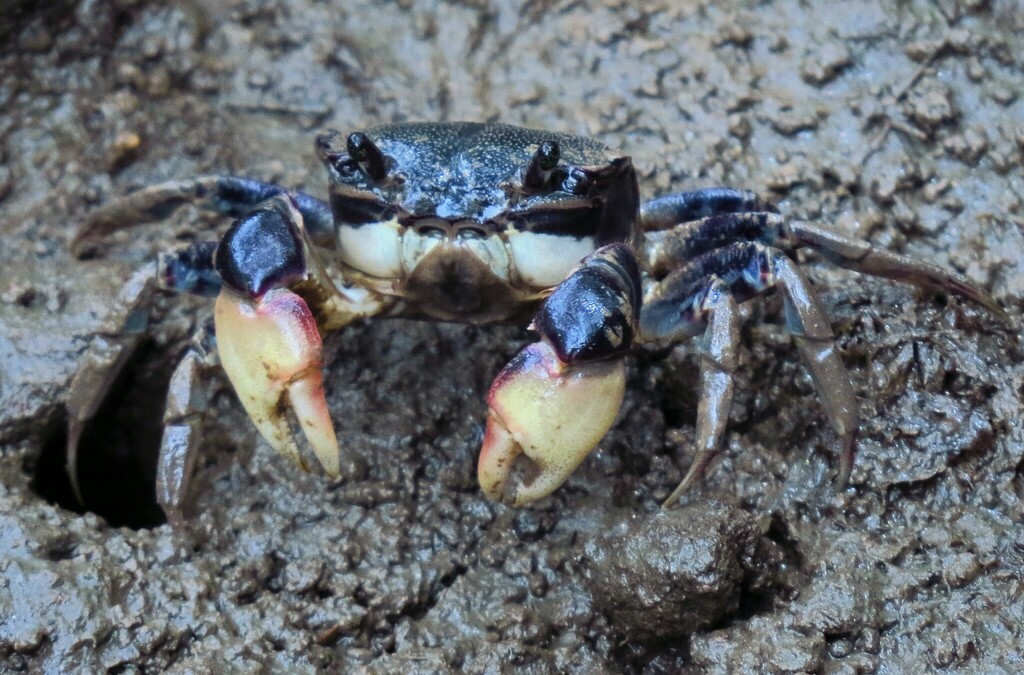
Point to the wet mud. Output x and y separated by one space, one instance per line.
898 122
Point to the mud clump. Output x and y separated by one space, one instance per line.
679 570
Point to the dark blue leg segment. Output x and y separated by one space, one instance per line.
671 210
236 196
190 270
670 248
671 311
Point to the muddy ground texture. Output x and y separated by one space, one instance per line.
899 122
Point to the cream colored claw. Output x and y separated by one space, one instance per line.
272 352
551 412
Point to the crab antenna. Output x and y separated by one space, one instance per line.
370 158
544 160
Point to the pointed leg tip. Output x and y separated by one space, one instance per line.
676 494
846 459
177 520
683 487
99 223
978 296
693 476
843 475
75 428
998 311
80 247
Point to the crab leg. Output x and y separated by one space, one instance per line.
809 326
717 368
669 248
555 400
185 408
104 360
861 256
188 270
230 195
683 305
670 210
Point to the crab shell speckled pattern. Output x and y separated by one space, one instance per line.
453 230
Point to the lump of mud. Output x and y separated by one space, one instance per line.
679 570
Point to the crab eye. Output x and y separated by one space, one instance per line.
368 156
538 172
346 166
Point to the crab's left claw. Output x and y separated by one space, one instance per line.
557 398
550 412
271 349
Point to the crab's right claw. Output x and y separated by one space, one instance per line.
545 417
271 349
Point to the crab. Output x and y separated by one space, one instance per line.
480 223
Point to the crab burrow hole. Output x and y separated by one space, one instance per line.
118 451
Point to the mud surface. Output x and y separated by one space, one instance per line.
900 122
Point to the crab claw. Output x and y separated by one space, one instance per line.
550 413
271 349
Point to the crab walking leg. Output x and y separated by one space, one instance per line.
187 270
556 399
183 414
104 360
668 248
674 309
717 369
861 256
230 195
670 210
809 326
